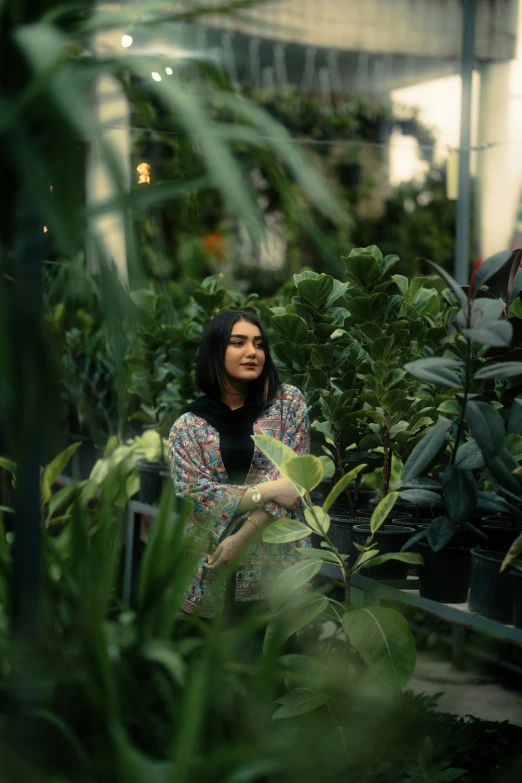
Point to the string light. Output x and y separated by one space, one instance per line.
45 229
168 71
126 41
144 171
156 76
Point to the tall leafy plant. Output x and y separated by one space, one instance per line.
379 636
470 436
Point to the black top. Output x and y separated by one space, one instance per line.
235 428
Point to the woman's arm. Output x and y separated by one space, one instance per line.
296 435
193 481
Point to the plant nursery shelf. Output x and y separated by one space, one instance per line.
373 592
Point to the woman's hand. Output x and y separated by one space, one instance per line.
284 494
228 550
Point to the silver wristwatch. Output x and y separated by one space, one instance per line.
256 496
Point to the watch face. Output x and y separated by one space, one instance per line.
256 496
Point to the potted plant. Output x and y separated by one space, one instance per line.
446 468
377 636
153 381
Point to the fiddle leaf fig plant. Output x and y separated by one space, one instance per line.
346 343
378 636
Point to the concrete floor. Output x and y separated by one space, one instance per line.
467 692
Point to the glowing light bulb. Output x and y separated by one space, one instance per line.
45 229
126 41
168 71
144 171
156 76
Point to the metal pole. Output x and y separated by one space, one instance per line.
462 251
27 546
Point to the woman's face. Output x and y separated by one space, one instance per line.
245 353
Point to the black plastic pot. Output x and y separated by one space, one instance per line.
516 585
364 496
502 520
400 505
340 532
490 593
389 538
152 477
366 513
500 538
445 574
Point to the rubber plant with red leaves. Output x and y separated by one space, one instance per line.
467 447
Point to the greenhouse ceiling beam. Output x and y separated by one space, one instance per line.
463 218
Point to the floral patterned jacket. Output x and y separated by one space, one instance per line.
199 474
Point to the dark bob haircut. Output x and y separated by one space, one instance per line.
209 369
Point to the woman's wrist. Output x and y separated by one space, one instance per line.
266 488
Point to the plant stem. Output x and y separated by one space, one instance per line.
338 455
386 466
344 567
467 383
358 480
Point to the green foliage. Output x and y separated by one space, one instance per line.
487 456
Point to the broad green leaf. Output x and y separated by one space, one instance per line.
341 486
363 265
306 471
498 371
492 503
54 468
483 312
382 510
437 370
496 334
502 467
414 539
513 444
299 702
402 283
339 289
440 532
170 660
420 497
486 427
404 557
452 283
62 498
469 456
460 493
316 292
514 422
277 452
328 465
489 268
311 554
290 579
422 482
322 526
282 531
384 640
363 558
291 327
426 450
450 406
514 552
368 308
8 465
298 612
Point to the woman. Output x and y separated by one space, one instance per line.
214 462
